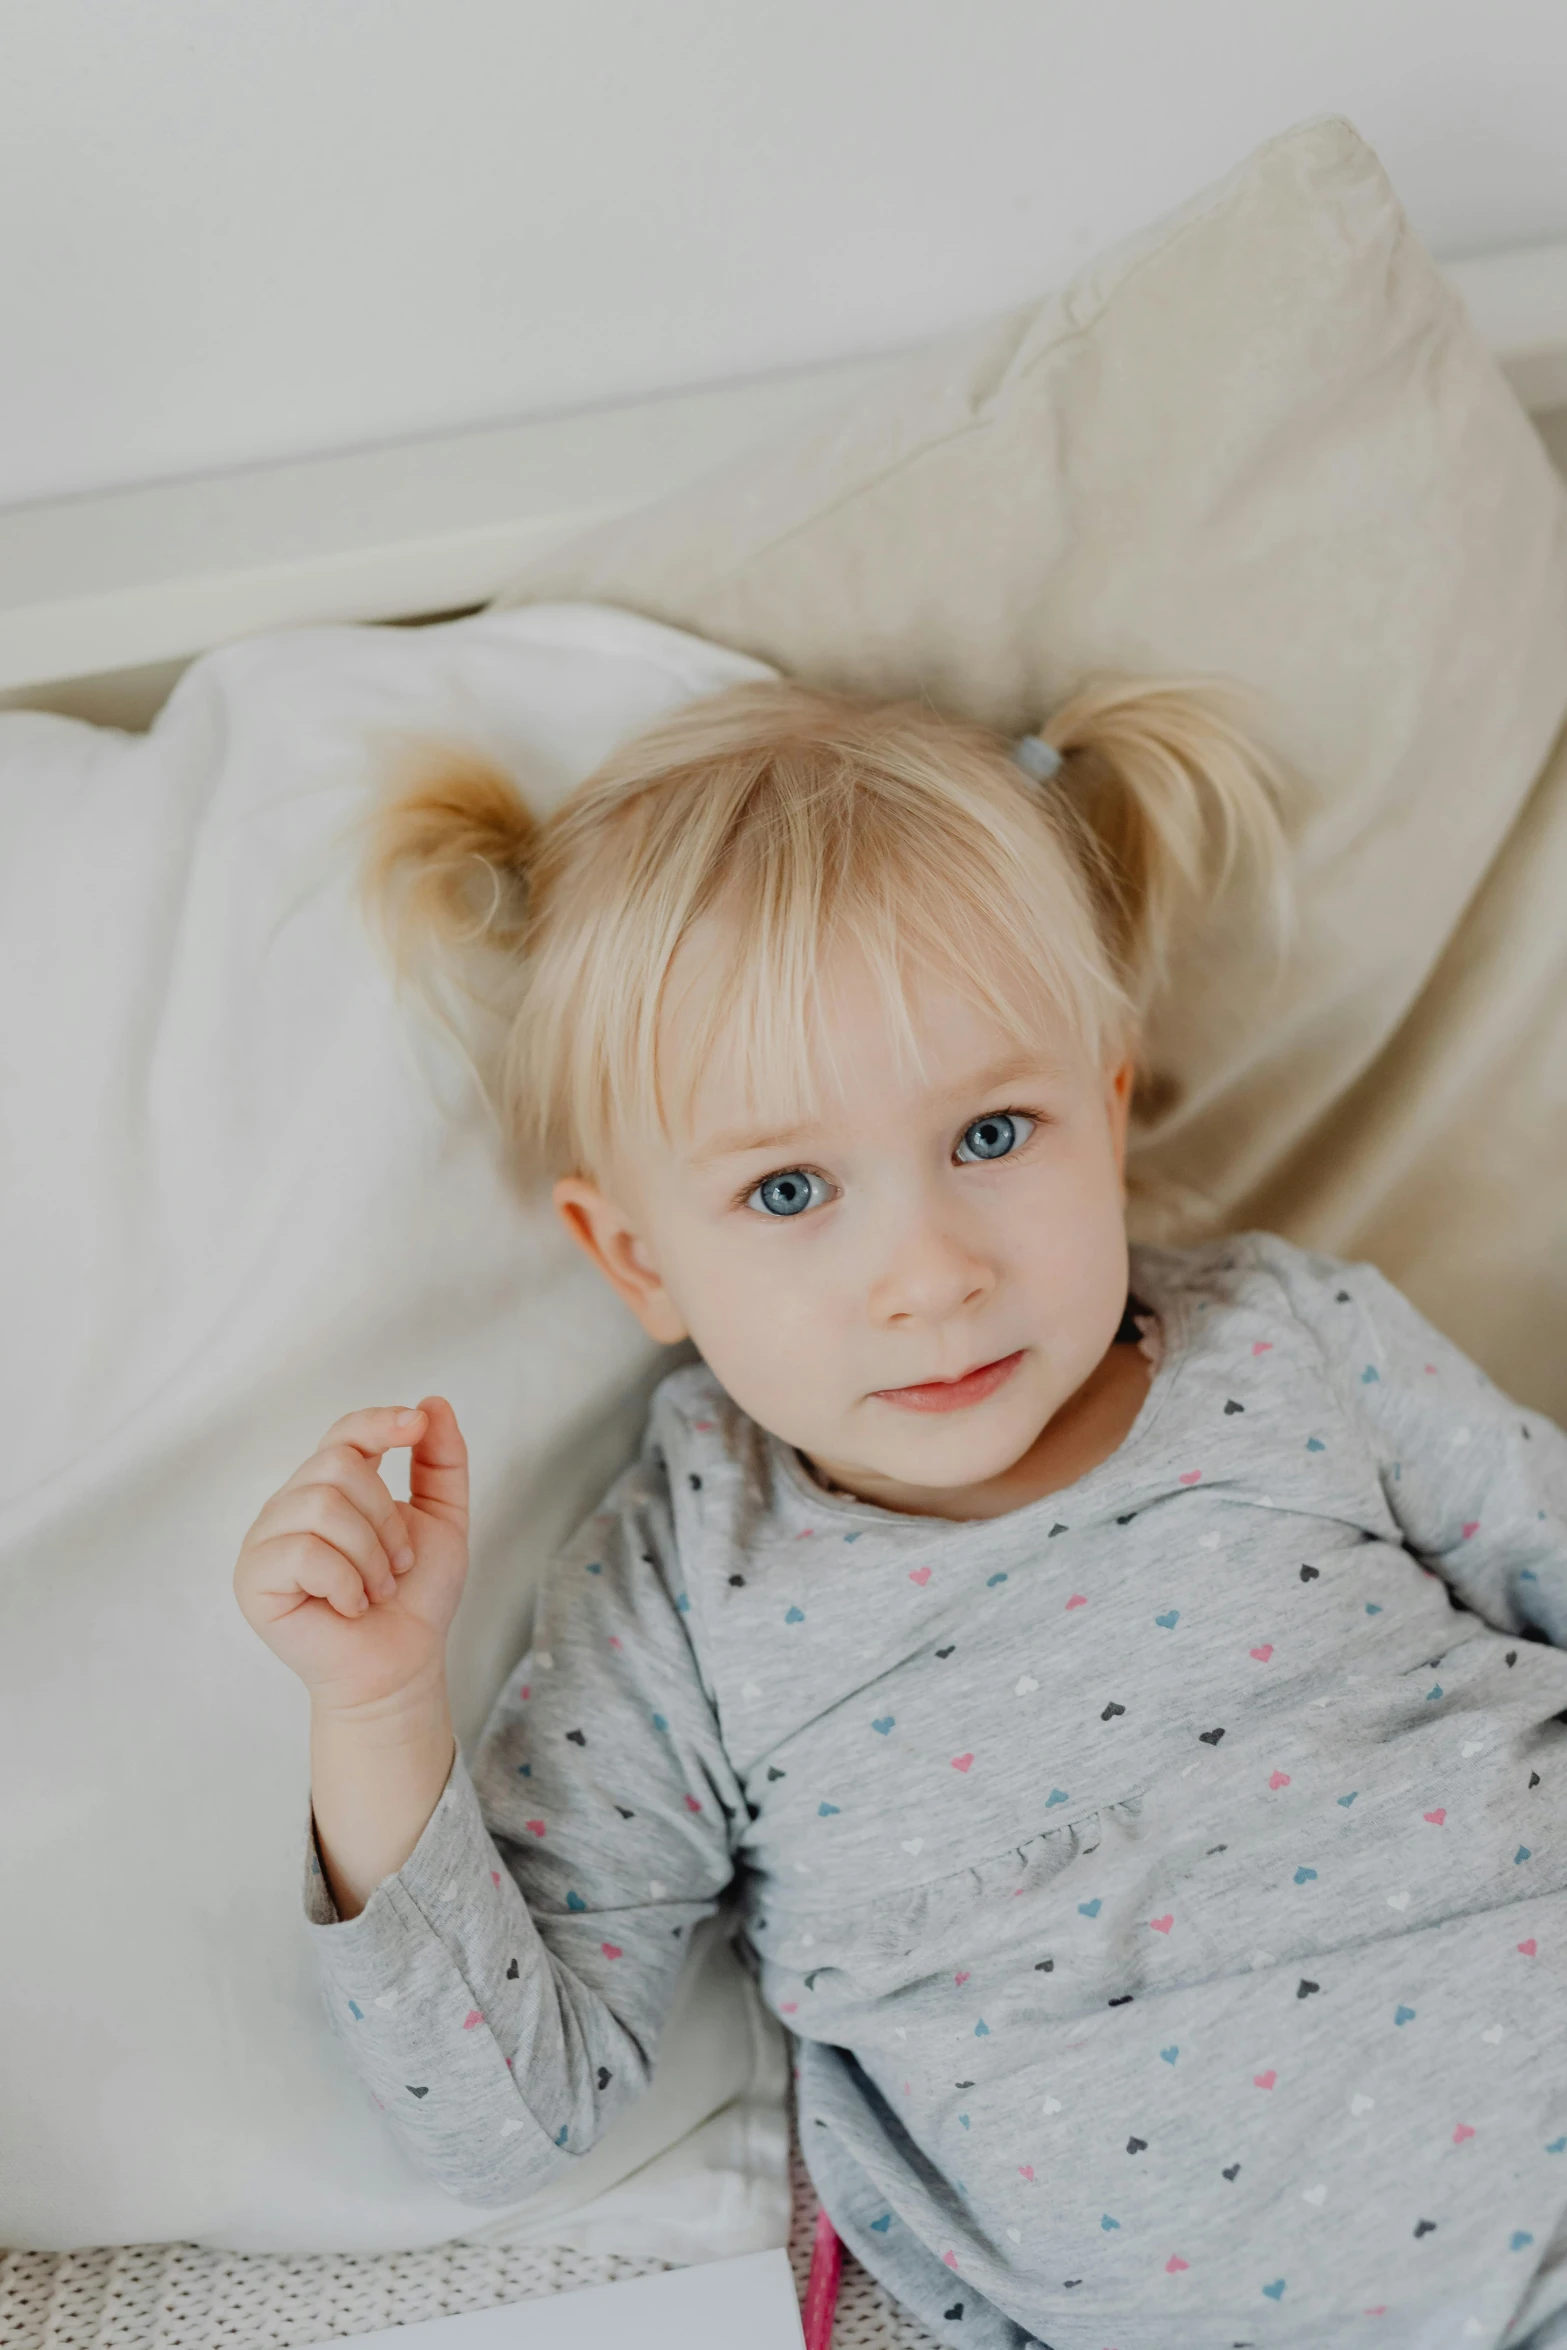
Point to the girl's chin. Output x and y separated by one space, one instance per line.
930 1462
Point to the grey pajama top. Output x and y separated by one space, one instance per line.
1166 1882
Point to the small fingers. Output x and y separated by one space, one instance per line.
438 1472
312 1506
377 1429
344 1467
315 1567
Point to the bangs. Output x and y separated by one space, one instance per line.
772 946
920 851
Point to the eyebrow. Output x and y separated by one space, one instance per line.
740 1142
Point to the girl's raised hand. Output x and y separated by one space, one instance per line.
353 1590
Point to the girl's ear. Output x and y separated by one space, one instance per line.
604 1233
1118 1101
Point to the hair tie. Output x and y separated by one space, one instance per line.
1036 757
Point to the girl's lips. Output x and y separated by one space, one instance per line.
950 1395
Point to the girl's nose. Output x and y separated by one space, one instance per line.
926 1275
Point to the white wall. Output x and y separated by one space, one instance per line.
240 229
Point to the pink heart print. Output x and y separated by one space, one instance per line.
1471 1530
1163 1925
1262 1346
1076 1600
495 1876
1175 2264
611 1949
1435 1817
960 1762
1462 2132
920 1575
1528 1948
1025 2170
1263 1653
1191 1476
1264 2080
471 2018
789 2006
951 2259
534 1827
960 1980
1279 1779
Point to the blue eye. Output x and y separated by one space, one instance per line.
788 1193
993 1137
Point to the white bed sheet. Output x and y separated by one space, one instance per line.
241 1190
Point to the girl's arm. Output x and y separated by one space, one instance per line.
501 1994
1477 1483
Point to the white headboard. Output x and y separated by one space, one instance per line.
104 599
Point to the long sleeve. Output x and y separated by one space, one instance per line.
1476 1483
501 1996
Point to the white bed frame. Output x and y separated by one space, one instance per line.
103 599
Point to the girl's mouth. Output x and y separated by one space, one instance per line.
951 1395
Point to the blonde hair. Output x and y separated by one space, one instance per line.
811 821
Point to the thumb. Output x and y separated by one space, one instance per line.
438 1467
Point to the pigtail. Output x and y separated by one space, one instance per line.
445 853
1170 797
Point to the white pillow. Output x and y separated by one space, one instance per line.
242 1191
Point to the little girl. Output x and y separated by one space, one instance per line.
1113 1688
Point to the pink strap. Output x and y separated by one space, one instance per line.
821 2292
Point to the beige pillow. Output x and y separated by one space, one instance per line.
1259 440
